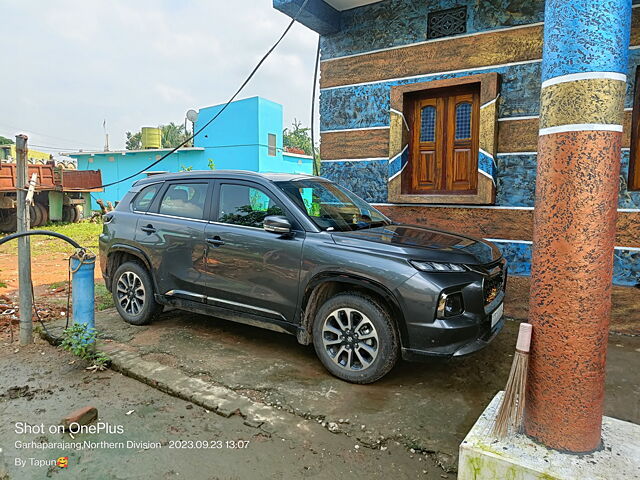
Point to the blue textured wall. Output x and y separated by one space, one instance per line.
365 106
626 262
404 22
367 178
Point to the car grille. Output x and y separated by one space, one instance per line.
494 283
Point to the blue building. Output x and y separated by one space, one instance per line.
246 136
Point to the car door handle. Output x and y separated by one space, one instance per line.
148 229
215 241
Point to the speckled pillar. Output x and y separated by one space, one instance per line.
583 84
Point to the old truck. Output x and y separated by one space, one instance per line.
61 194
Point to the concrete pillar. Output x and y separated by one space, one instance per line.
584 70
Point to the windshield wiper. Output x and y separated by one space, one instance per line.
379 223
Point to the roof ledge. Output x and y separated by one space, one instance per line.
318 15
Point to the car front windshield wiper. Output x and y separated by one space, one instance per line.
379 223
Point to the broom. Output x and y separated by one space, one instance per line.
511 409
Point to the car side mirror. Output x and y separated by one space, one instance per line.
277 224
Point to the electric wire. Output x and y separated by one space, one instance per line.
316 169
233 97
61 236
42 134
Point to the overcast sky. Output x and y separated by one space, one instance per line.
69 64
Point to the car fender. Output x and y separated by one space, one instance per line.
136 252
359 281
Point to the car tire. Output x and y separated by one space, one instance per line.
133 294
355 339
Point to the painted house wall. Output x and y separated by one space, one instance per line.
234 140
383 45
237 139
116 165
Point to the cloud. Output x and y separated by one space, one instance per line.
74 63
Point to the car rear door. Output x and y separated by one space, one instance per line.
171 233
249 269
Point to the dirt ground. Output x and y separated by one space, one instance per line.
408 425
41 384
423 409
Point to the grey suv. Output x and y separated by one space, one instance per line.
301 255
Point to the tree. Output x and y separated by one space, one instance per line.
171 136
134 141
5 141
298 137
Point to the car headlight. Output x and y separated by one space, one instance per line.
438 267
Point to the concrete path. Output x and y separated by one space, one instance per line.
271 381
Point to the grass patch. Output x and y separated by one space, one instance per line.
54 285
85 233
103 297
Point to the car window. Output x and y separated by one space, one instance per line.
332 207
184 200
143 199
244 205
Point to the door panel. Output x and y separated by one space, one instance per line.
176 248
460 178
249 269
427 173
176 245
461 159
444 143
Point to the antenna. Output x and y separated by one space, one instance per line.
106 135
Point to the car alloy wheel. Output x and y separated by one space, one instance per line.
130 292
350 339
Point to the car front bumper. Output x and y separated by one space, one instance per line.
460 349
425 335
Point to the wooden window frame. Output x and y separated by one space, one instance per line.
399 139
633 180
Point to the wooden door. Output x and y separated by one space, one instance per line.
444 144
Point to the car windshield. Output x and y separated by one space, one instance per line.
331 207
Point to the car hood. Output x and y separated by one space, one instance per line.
422 243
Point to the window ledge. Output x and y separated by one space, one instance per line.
484 196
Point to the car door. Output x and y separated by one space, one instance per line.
249 269
171 233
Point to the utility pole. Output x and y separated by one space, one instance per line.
24 243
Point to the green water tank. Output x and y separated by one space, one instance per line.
151 137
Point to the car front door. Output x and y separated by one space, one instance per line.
249 269
171 233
